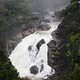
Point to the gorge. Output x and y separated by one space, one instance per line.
27 59
39 43
26 55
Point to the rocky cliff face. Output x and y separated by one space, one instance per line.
66 51
56 59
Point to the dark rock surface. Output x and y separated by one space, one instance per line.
40 43
28 32
30 48
42 67
57 61
52 43
46 20
44 27
34 69
11 41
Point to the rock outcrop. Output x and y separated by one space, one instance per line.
44 27
34 69
40 43
55 59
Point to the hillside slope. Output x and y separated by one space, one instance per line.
68 33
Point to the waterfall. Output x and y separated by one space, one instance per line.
28 60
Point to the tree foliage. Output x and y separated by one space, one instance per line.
7 71
13 15
71 36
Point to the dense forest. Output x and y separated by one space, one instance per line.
15 18
12 21
69 32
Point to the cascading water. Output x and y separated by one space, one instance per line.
30 61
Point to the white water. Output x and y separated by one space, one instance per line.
23 59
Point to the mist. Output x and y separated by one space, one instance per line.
43 5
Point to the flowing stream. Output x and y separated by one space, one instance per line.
31 62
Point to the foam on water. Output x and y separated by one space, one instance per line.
23 58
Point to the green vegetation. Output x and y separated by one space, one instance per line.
13 16
71 36
73 75
11 12
57 53
7 71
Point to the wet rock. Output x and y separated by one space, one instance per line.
28 32
30 48
52 43
40 43
12 42
46 20
34 69
56 59
42 66
44 27
35 16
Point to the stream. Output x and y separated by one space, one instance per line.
31 60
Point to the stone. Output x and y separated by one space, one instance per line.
46 20
40 43
44 27
35 16
42 66
28 32
34 69
30 48
51 44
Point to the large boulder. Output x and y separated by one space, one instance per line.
30 48
44 27
42 41
46 20
34 69
35 16
28 32
52 44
